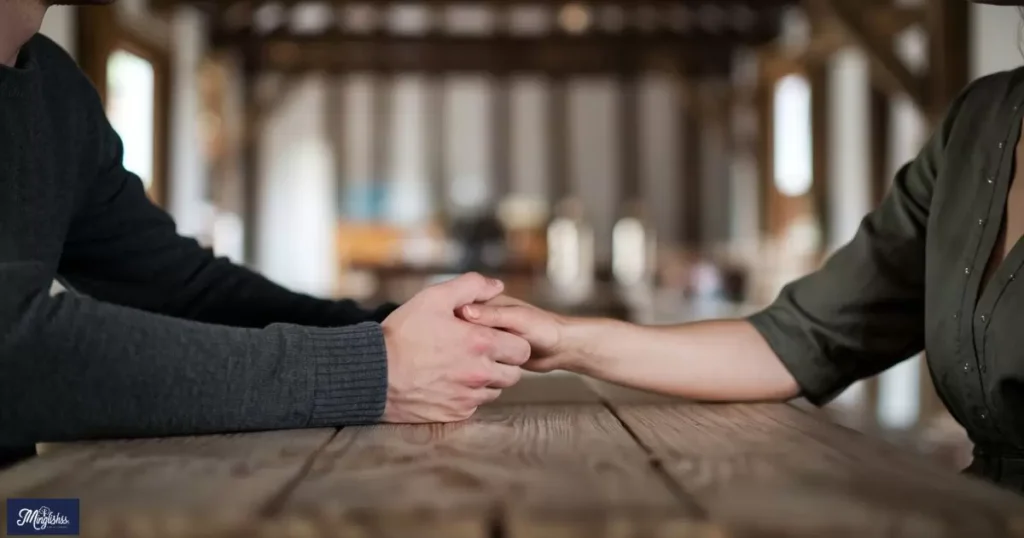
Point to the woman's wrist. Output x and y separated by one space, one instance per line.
581 349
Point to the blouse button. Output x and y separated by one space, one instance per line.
990 179
984 318
956 315
1002 145
1012 277
967 367
983 416
981 222
967 270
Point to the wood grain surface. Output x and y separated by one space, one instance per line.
772 468
553 459
183 486
552 464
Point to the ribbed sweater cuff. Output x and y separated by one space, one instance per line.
350 376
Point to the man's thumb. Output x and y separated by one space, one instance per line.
470 288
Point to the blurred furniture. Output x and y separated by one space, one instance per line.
556 456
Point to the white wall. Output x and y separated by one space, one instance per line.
59 25
995 39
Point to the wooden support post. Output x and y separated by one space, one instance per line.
501 122
630 143
948 23
436 131
336 130
501 138
821 127
764 104
383 100
436 136
692 167
559 146
251 172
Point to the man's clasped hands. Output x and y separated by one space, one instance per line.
455 346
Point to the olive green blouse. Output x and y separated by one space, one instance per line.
912 280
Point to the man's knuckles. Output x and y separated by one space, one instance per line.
477 377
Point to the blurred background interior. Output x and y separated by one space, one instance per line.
659 161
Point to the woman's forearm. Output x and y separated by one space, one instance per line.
711 361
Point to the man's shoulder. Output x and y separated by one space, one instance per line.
61 73
50 56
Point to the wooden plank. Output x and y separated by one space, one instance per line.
168 487
560 465
774 469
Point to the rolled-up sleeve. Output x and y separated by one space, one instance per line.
863 311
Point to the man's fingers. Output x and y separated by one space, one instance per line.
487 395
468 289
508 349
505 376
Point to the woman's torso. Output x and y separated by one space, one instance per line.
975 296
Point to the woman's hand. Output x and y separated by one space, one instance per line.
549 335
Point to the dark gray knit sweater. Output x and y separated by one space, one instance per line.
164 338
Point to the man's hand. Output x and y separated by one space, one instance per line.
441 368
546 332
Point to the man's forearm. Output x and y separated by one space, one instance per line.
74 368
711 361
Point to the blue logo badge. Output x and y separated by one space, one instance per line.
42 517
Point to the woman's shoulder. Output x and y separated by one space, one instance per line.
993 90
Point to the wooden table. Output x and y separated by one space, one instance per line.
556 458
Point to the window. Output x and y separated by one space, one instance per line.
131 108
793 154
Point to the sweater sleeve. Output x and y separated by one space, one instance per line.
75 368
125 250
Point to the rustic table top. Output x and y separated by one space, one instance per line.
557 457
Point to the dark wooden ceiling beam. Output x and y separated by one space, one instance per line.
753 4
556 55
893 72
